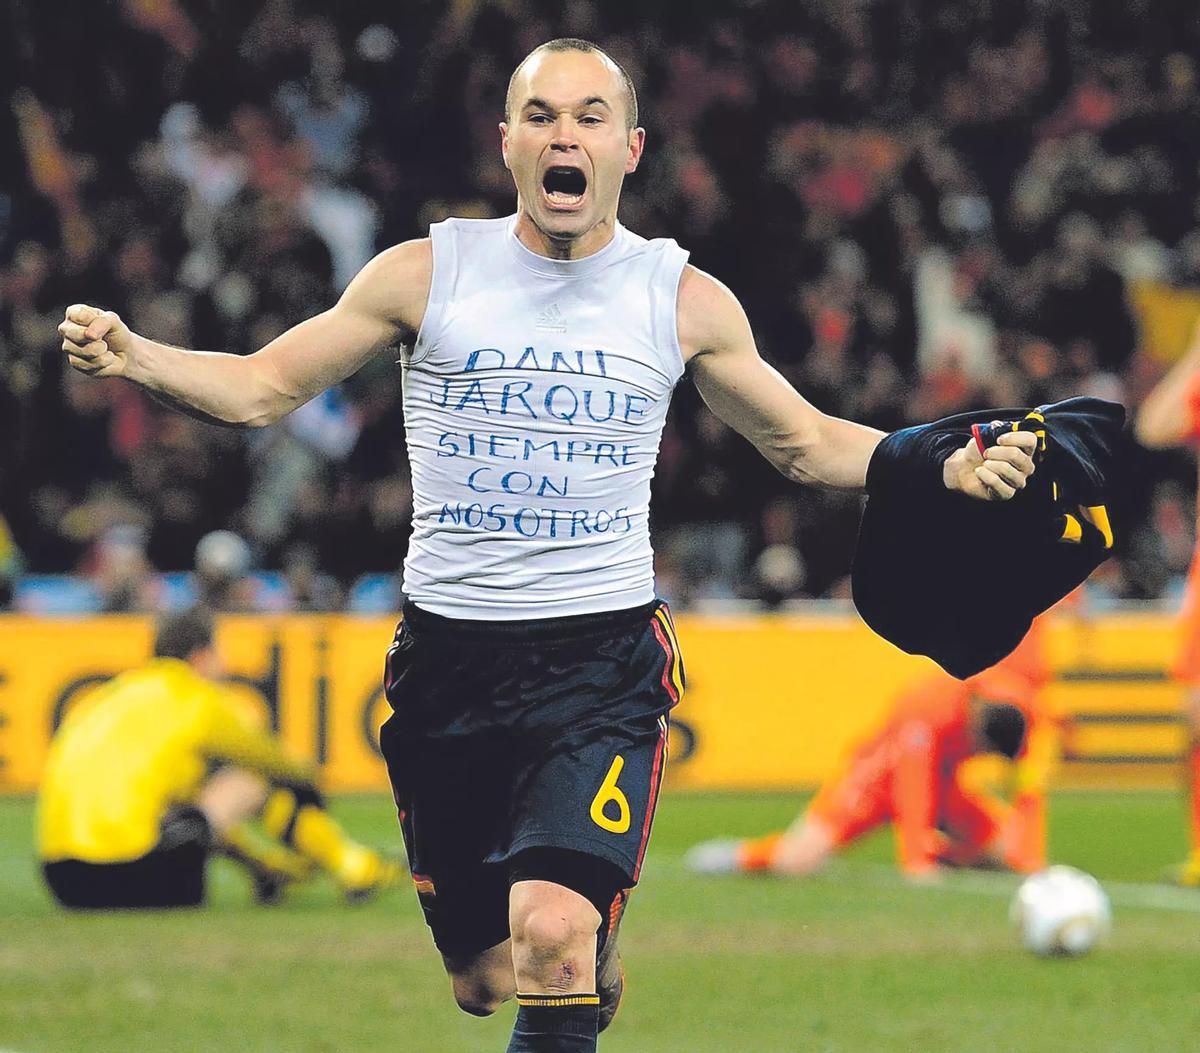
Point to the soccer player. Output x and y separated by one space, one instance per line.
912 772
156 769
1170 416
533 671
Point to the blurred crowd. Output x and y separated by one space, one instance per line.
925 207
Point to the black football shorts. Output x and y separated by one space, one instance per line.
170 875
516 735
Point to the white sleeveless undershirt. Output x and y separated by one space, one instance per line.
534 401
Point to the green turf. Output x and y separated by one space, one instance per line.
854 961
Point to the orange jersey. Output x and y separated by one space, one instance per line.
902 772
908 772
1187 662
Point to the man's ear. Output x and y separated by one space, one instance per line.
637 143
504 144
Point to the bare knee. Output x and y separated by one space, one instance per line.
554 939
230 796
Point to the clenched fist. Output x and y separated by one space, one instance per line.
96 342
994 474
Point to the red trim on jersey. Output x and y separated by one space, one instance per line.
977 433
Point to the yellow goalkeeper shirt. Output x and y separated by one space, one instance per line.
135 747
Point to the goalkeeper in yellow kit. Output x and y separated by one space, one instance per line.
159 768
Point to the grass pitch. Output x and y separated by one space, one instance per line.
851 962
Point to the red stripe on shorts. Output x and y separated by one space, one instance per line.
656 775
670 664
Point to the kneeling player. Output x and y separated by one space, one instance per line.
910 774
158 768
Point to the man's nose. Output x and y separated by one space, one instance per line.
564 135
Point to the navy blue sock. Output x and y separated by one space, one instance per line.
555 1024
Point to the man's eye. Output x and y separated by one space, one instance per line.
590 120
539 118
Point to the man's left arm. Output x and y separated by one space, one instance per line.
230 738
1025 836
806 445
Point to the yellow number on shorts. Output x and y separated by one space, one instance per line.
609 792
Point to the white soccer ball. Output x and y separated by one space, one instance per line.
1061 910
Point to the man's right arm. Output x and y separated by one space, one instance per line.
382 305
1167 416
914 799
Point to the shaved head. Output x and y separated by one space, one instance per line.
587 48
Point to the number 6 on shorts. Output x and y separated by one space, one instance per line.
610 792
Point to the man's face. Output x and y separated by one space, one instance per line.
567 145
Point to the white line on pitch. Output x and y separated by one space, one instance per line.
1131 894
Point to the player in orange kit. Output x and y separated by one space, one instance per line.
910 773
1170 416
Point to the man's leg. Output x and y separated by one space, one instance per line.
610 973
228 799
802 849
482 982
298 819
230 796
554 960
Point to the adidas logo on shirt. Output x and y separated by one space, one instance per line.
551 320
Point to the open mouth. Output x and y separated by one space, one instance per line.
564 186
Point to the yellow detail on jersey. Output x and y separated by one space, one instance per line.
1097 515
610 792
1072 532
1040 432
135 747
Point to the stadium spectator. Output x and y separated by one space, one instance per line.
221 574
159 768
308 588
964 204
121 572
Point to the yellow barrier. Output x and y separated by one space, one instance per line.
1166 317
772 702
